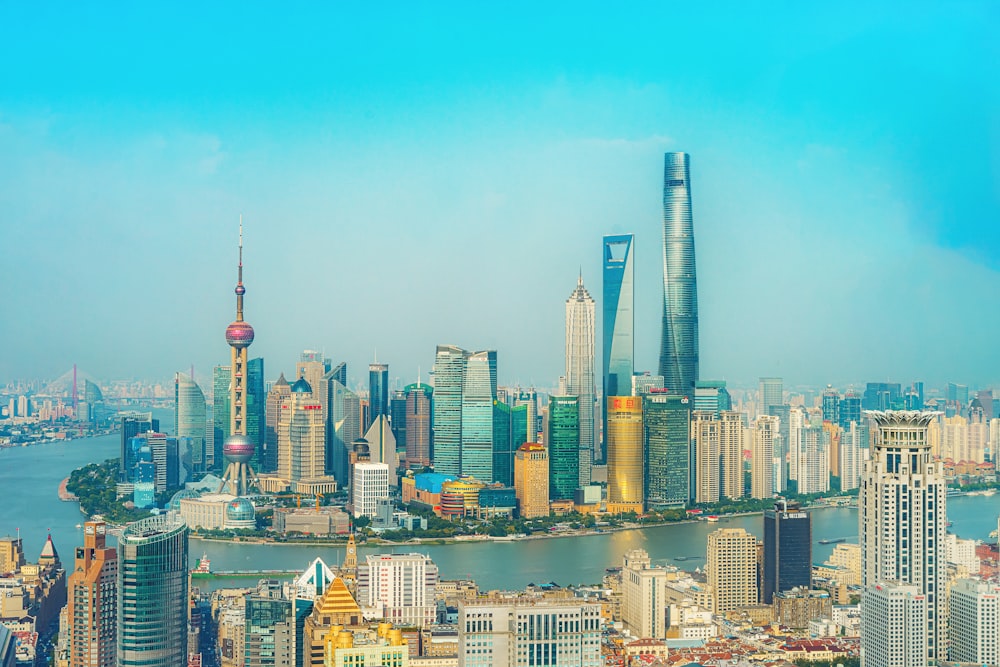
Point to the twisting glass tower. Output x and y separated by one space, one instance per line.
679 344
238 449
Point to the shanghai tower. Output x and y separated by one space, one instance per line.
679 343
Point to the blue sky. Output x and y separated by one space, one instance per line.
438 173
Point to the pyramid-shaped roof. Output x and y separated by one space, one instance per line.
337 601
49 554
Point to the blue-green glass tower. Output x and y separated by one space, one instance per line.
503 453
679 341
221 378
563 443
479 390
256 404
667 446
618 321
153 592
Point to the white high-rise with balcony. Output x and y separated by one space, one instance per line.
902 526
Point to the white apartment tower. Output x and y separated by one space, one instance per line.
902 527
580 369
765 473
370 484
974 622
895 616
643 591
705 434
398 588
731 436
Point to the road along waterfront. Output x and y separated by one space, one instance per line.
30 477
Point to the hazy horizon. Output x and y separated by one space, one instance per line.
427 175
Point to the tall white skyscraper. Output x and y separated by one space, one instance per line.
580 369
643 593
902 525
398 588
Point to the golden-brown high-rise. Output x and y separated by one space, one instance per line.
625 455
731 569
531 480
92 601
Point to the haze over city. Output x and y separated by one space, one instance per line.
424 175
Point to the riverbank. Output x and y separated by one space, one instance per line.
476 539
65 495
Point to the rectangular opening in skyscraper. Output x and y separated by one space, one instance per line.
615 252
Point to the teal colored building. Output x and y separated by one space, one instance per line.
563 443
221 377
153 592
667 448
256 406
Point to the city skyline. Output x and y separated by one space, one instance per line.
136 174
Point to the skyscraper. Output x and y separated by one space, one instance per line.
418 425
731 432
190 416
378 392
449 366
618 321
705 438
479 390
902 524
503 451
643 592
221 379
256 409
465 386
731 568
153 592
562 440
771 395
679 342
765 462
133 424
275 399
787 549
343 422
580 370
238 449
667 433
531 480
92 602
625 454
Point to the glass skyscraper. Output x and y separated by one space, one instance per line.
189 417
465 386
378 392
256 406
618 320
153 592
679 343
479 390
562 441
787 550
221 379
667 446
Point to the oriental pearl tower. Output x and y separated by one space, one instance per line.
238 449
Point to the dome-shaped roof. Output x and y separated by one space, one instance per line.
240 510
301 387
175 501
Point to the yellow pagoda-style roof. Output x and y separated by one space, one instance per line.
337 601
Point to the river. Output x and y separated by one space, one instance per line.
30 476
